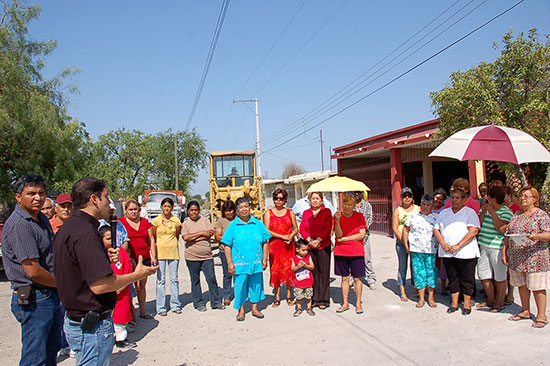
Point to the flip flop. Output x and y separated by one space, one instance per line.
404 298
517 317
508 302
276 304
539 324
342 309
432 304
483 305
496 310
289 302
146 316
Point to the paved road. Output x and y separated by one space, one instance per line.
388 333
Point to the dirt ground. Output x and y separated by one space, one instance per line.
389 332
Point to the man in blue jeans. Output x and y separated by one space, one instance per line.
87 285
29 263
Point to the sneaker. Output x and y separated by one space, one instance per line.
125 344
163 313
372 285
202 309
310 312
64 351
297 312
219 307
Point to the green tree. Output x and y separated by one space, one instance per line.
512 91
36 134
133 161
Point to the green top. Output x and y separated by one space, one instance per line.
488 235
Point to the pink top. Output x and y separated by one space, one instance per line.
319 226
472 203
303 277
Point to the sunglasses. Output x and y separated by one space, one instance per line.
279 198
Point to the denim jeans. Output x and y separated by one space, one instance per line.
40 327
227 278
175 303
91 348
403 259
207 267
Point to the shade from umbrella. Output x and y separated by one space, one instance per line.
493 143
338 184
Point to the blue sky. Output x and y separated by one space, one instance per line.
142 61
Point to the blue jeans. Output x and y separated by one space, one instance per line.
403 259
40 327
227 278
175 303
91 348
207 267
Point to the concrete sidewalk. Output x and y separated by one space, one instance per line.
389 332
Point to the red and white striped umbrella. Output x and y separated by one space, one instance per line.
493 143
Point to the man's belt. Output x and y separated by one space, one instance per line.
102 316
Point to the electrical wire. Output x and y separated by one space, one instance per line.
301 47
270 49
213 45
399 76
293 127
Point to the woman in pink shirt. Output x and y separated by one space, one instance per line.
316 228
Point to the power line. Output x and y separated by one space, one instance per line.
294 127
302 47
270 49
399 76
213 45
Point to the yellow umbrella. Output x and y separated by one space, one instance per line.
338 184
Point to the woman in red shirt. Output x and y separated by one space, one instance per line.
349 253
316 228
141 236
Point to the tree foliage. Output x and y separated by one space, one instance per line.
132 161
36 134
512 91
290 169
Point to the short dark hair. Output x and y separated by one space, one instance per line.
193 203
103 230
300 242
440 191
29 180
279 191
498 193
228 206
498 175
167 199
83 190
241 200
459 190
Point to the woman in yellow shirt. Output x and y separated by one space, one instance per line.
166 231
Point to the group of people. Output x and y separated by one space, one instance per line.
73 282
506 242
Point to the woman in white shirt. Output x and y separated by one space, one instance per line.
456 231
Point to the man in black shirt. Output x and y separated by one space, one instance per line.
28 260
87 285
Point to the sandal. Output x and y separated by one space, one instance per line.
509 301
322 307
276 304
432 304
496 309
539 324
342 309
483 304
404 298
146 316
289 302
517 317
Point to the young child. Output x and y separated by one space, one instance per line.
302 265
123 311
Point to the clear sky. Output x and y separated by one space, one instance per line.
142 61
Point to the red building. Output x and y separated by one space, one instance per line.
390 161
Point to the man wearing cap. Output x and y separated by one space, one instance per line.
365 208
87 285
49 208
63 210
29 264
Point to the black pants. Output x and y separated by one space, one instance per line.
461 275
321 276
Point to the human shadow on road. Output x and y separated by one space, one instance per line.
3 277
126 357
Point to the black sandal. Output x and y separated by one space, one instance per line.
276 304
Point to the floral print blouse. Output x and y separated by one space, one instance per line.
421 230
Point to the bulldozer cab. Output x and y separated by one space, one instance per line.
233 175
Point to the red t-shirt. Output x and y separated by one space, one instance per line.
303 277
351 226
123 308
472 203
319 226
515 207
139 239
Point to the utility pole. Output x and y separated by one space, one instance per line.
176 159
330 156
258 150
322 155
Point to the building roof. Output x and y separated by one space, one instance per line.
305 177
419 133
